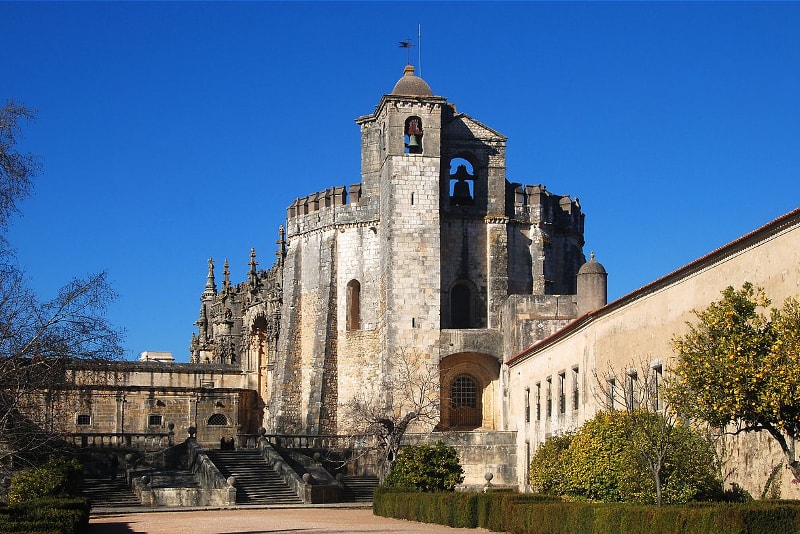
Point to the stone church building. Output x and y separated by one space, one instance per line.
436 252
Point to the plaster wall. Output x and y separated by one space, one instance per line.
637 329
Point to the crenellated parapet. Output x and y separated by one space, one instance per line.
329 198
538 206
336 206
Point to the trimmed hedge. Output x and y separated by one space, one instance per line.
46 515
455 509
711 518
517 513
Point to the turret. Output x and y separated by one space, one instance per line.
592 286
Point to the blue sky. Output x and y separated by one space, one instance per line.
174 132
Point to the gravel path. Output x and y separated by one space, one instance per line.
261 520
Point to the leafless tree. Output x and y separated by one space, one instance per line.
408 396
43 344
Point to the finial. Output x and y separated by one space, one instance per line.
253 275
226 282
281 242
211 286
591 256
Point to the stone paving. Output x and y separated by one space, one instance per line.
244 520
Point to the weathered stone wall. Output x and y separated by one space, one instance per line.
479 453
138 397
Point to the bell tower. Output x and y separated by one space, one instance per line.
401 166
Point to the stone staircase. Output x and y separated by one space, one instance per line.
105 493
256 482
359 489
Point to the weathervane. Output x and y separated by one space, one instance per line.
407 45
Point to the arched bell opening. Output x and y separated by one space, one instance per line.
413 135
462 182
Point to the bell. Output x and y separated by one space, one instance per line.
413 144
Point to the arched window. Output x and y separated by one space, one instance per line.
460 306
353 305
464 402
217 419
413 135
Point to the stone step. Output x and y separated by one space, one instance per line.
256 482
107 493
359 488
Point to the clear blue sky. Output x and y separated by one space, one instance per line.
175 132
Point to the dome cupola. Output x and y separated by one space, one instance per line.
411 85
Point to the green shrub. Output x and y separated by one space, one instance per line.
426 468
548 469
56 477
605 461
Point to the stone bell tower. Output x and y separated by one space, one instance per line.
401 164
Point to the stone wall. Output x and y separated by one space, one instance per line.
146 397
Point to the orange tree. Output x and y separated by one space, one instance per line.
738 367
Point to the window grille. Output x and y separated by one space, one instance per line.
217 419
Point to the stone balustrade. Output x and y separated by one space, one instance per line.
146 441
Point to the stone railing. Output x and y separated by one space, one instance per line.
214 490
322 441
146 441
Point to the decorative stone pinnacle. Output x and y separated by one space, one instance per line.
211 286
226 282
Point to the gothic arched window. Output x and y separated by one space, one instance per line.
353 305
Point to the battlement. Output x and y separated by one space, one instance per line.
333 197
536 203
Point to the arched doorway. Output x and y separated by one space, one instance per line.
468 391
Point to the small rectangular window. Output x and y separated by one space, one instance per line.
527 405
549 396
155 420
658 403
562 392
612 393
84 419
575 389
631 390
538 401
